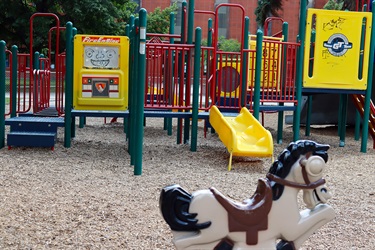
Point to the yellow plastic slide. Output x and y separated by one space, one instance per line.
242 135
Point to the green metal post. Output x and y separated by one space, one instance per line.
190 30
73 124
366 112
189 41
208 55
309 98
82 121
126 120
133 94
183 22
171 27
129 33
140 91
280 118
209 34
13 85
183 40
131 58
68 85
244 66
2 93
357 126
197 69
168 121
343 106
258 66
299 70
127 30
308 116
339 115
190 27
36 60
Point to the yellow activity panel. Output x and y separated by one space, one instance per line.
101 66
340 57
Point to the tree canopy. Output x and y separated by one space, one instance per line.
268 8
88 16
158 20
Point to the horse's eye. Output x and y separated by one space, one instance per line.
323 190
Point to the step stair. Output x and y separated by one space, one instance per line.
31 139
33 131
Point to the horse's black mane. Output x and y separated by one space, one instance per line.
281 167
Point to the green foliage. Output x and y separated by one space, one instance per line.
229 45
158 21
334 5
98 16
14 22
88 16
266 8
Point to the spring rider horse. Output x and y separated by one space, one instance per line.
270 219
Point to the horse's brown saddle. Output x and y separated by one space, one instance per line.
251 215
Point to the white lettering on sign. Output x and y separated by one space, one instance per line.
100 39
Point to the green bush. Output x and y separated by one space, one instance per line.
334 5
228 45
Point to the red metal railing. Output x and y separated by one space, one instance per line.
228 80
270 26
34 89
206 90
360 3
42 87
168 81
278 72
60 80
169 76
24 84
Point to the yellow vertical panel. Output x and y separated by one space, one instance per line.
101 65
337 52
271 62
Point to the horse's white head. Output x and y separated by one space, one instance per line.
301 166
309 170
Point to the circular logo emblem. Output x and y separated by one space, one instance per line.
337 44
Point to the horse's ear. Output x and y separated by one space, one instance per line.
321 150
323 147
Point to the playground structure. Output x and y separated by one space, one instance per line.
336 46
267 77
